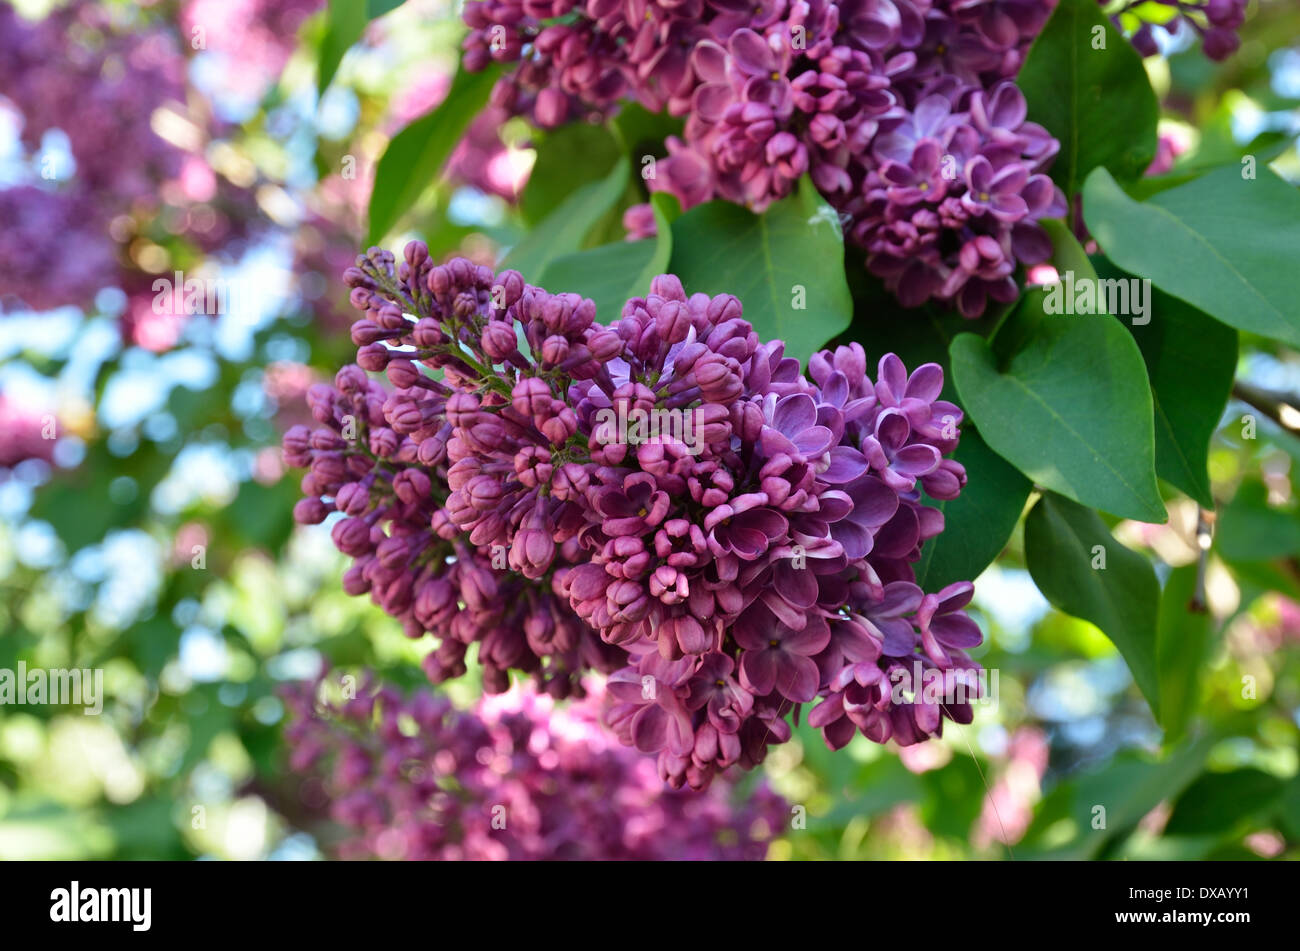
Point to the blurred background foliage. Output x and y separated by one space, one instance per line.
156 539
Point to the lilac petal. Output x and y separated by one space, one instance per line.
811 640
1008 207
751 53
857 643
770 523
898 637
754 628
788 615
846 465
955 596
874 503
798 586
797 678
826 712
813 441
899 535
925 383
836 390
794 414
710 62
857 540
892 428
917 460
758 670
901 597
956 630
835 505
929 116
650 729
892 376
979 173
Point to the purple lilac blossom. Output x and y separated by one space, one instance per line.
517 777
101 77
492 501
902 111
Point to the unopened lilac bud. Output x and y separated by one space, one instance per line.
352 498
412 486
373 357
531 396
310 511
605 345
555 350
351 536
498 339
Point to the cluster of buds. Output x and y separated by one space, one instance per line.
514 778
668 500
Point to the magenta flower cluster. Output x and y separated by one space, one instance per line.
99 76
902 111
747 552
515 778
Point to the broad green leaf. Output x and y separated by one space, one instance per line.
1222 243
1085 572
564 228
345 22
614 273
1081 817
566 157
377 8
1182 638
978 522
1096 101
1289 809
416 155
1216 802
1249 529
792 254
1190 359
1071 410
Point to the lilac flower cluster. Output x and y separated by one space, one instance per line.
100 78
754 559
902 111
515 778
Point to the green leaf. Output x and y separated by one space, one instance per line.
1251 530
613 274
377 8
416 155
1097 102
978 522
573 153
1216 802
1190 359
1222 243
564 228
1127 789
345 22
1182 638
1071 410
1063 543
768 261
